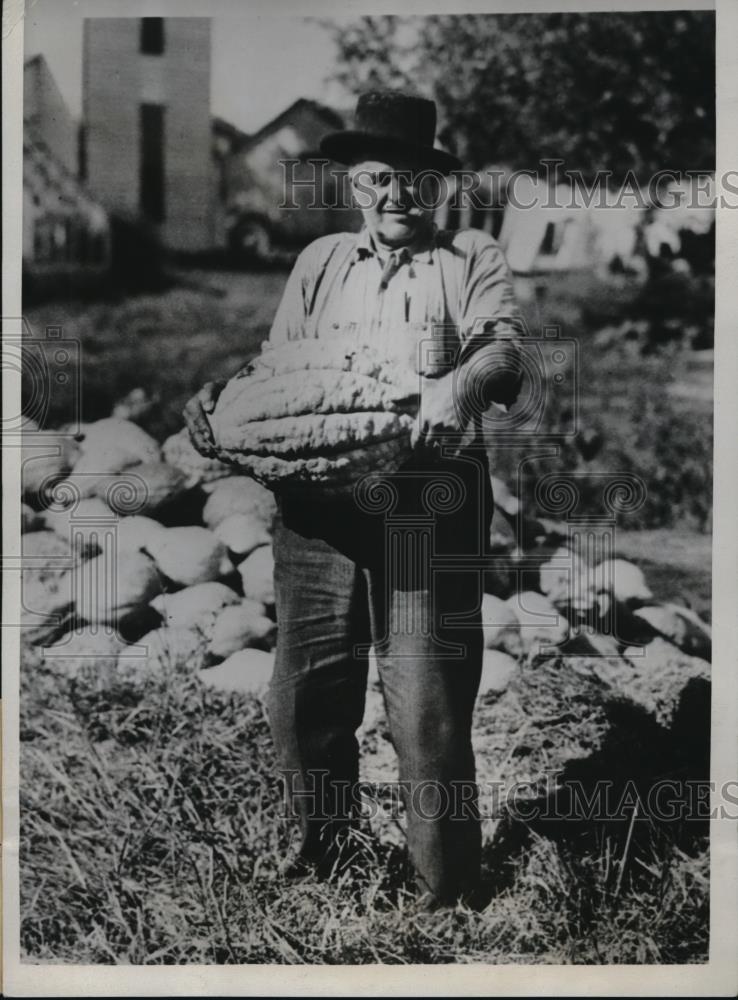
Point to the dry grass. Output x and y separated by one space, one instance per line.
152 826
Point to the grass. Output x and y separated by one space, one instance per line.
167 343
678 565
152 826
629 404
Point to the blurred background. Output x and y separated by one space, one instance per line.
153 236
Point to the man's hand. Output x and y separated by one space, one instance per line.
196 414
438 418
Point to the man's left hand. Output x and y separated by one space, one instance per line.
438 421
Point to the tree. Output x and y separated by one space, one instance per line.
600 91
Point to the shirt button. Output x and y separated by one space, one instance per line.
335 326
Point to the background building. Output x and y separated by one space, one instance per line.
66 233
149 150
147 131
280 164
46 117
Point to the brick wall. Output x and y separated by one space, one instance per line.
117 79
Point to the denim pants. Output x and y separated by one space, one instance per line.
407 581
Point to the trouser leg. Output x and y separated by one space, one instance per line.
318 689
430 694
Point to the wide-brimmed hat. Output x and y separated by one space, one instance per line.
387 123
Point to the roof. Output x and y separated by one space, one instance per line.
221 126
331 118
55 187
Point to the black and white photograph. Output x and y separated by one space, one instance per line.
365 521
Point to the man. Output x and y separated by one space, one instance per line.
401 569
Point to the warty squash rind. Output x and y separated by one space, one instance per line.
320 413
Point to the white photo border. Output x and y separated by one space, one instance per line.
717 977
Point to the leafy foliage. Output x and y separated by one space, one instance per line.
618 91
634 352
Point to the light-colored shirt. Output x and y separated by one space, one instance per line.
433 305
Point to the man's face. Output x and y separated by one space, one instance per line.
389 201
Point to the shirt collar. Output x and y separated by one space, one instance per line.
421 252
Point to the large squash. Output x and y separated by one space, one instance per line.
189 555
317 412
108 591
237 495
179 451
108 447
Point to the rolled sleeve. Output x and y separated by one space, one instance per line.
491 325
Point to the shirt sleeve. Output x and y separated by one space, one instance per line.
289 319
295 308
491 325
